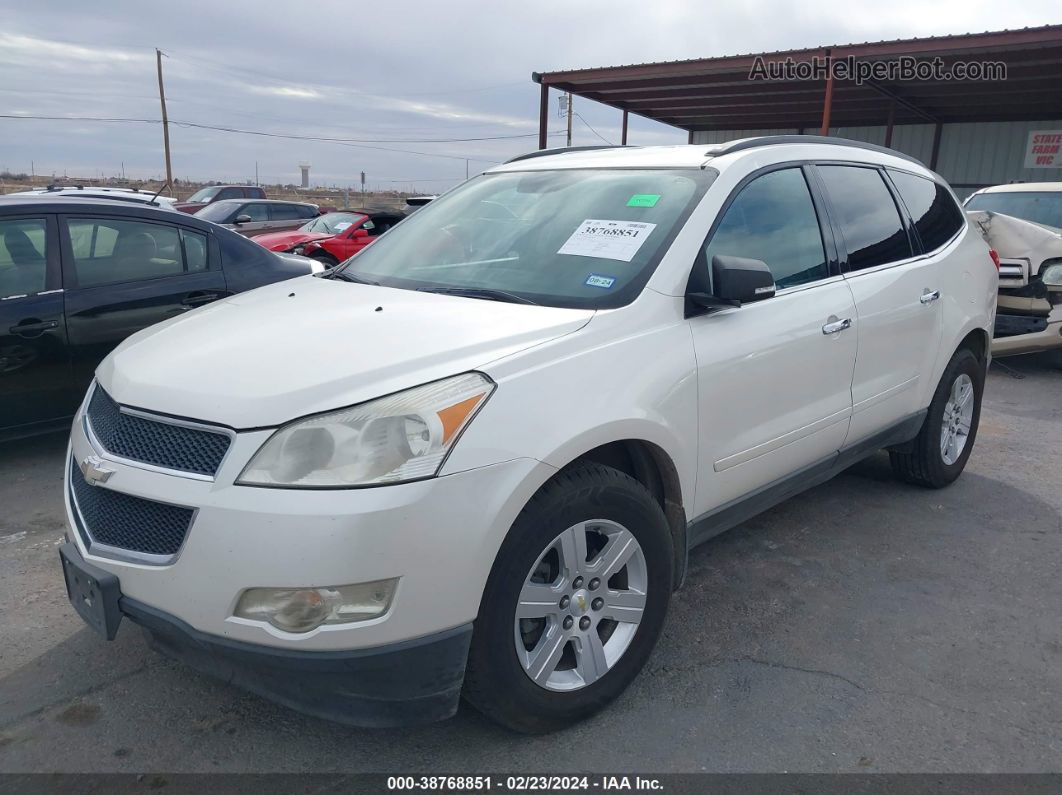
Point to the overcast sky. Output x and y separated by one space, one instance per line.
388 72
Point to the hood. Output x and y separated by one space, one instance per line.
262 358
281 241
1016 238
189 207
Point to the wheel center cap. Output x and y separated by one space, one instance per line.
580 603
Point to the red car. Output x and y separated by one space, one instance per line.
333 237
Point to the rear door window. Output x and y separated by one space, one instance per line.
107 251
934 212
867 216
286 212
23 257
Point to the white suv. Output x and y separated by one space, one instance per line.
536 395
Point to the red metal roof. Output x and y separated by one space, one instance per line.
716 93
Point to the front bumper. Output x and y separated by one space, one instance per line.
438 537
1047 336
416 681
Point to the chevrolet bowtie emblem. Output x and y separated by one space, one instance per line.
94 470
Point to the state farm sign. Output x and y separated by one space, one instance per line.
1044 149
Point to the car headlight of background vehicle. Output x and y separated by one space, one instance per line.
1052 275
298 249
404 436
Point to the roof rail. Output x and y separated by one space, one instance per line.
561 150
770 140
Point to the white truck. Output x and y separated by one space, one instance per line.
1022 223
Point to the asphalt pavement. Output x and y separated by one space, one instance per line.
864 626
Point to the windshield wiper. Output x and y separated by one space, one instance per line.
486 293
348 277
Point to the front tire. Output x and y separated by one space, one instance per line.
574 604
939 453
325 259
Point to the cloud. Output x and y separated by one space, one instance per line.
21 49
427 70
294 92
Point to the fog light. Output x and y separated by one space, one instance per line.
304 609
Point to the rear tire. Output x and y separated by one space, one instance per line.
507 679
939 453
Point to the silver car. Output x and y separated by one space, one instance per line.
252 217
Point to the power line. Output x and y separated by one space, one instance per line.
294 136
595 132
358 140
356 143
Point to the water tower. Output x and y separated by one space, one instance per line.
304 167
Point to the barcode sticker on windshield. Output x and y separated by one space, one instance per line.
618 240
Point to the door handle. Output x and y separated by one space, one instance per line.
33 327
195 299
837 325
929 296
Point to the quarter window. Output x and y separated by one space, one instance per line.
109 251
867 215
773 219
936 216
23 257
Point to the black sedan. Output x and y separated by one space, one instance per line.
77 276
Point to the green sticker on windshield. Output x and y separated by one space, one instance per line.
643 200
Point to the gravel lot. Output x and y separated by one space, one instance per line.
864 626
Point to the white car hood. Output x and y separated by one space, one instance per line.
262 358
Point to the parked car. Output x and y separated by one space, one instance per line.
93 192
540 391
215 193
251 218
77 276
333 237
1023 223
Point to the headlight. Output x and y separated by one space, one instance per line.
298 249
1052 275
405 436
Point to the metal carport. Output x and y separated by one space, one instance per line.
943 122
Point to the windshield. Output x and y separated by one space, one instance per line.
1040 208
332 223
571 238
204 194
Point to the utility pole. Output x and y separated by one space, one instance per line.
466 168
256 172
165 121
569 118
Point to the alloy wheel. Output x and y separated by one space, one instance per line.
580 605
958 417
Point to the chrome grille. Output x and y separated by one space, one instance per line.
155 442
126 522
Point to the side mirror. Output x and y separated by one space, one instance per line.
359 233
243 219
735 281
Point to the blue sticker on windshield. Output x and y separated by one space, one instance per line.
597 280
